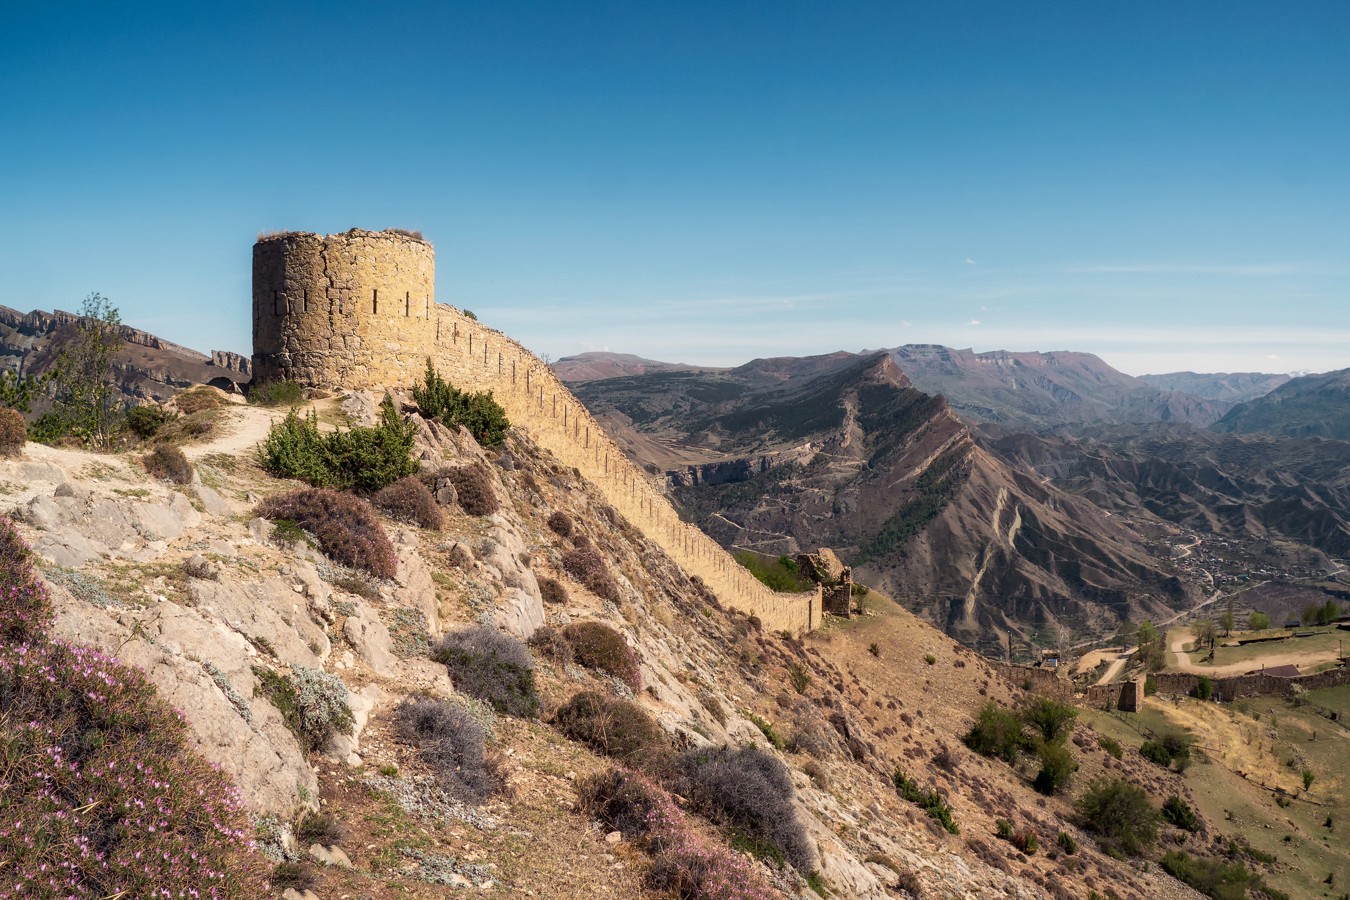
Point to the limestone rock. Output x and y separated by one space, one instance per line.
370 638
330 856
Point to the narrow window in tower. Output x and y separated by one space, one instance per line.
375 300
304 301
429 308
407 304
276 303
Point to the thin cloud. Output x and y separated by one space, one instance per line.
973 322
1250 271
971 262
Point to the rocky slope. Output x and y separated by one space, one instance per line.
1292 491
187 584
841 451
1310 406
1229 387
1037 391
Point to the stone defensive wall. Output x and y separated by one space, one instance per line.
357 311
1226 688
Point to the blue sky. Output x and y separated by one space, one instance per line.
1164 184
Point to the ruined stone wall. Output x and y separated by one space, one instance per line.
1226 689
352 310
338 337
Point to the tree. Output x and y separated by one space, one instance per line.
1051 720
1227 620
1120 815
18 390
1151 649
1206 633
1258 621
85 404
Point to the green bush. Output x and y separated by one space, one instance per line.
478 412
617 728
362 459
1051 720
997 732
597 646
86 405
1111 746
1173 748
1057 767
276 393
492 666
1258 621
1067 843
1119 814
1204 688
1213 877
930 801
1179 813
146 420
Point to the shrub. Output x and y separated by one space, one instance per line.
749 790
560 523
997 732
492 666
319 828
615 727
1051 720
103 792
25 608
1057 767
766 728
1026 841
930 659
1173 748
409 501
930 801
345 527
1213 877
276 393
685 864
550 643
169 463
1179 813
478 412
587 566
17 391
1067 843
1258 621
800 678
1204 688
363 459
473 489
1003 828
312 703
144 421
552 590
597 646
451 742
1119 814
13 432
1111 746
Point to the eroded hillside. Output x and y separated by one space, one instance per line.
845 452
218 605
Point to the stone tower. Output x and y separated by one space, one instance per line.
352 310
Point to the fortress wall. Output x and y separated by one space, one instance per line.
354 310
475 357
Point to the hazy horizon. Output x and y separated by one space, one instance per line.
1161 185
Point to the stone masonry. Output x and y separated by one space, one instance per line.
357 310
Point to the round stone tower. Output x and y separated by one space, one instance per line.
352 310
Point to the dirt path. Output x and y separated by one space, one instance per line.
1113 670
1182 636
